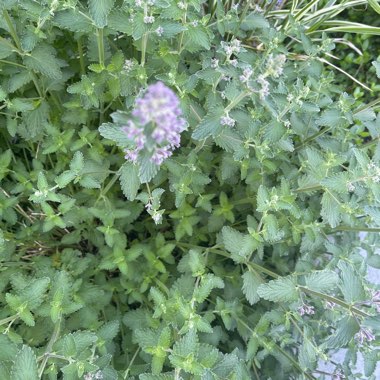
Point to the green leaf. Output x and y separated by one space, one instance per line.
162 376
352 285
371 360
346 329
42 59
197 37
210 125
129 180
307 355
322 281
330 118
239 245
73 20
5 48
330 209
147 170
16 81
280 290
377 67
251 283
99 10
77 163
187 346
25 365
65 178
37 119
109 330
374 5
208 283
8 349
115 133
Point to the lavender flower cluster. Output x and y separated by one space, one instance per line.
157 124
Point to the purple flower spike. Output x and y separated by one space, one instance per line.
159 124
364 335
306 309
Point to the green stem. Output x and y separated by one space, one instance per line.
100 36
334 300
49 347
308 188
12 63
236 101
8 319
143 48
261 269
355 229
12 30
182 33
126 373
81 57
109 185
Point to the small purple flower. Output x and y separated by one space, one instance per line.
226 120
375 300
306 309
364 335
158 124
330 305
338 375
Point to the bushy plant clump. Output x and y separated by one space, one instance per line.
181 196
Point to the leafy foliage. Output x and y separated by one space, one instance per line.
239 258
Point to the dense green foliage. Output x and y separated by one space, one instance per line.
238 258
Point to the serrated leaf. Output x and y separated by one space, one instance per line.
377 67
25 365
5 48
115 133
210 125
337 182
109 330
99 10
18 80
239 245
280 290
251 282
187 345
352 285
197 37
346 329
330 210
89 183
129 180
371 360
147 170
42 59
321 281
77 163
307 355
208 283
330 118
73 20
65 178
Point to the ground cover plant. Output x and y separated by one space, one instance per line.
182 188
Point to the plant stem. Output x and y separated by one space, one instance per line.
12 30
334 300
8 319
236 101
131 362
308 188
81 56
357 229
49 347
100 36
109 185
